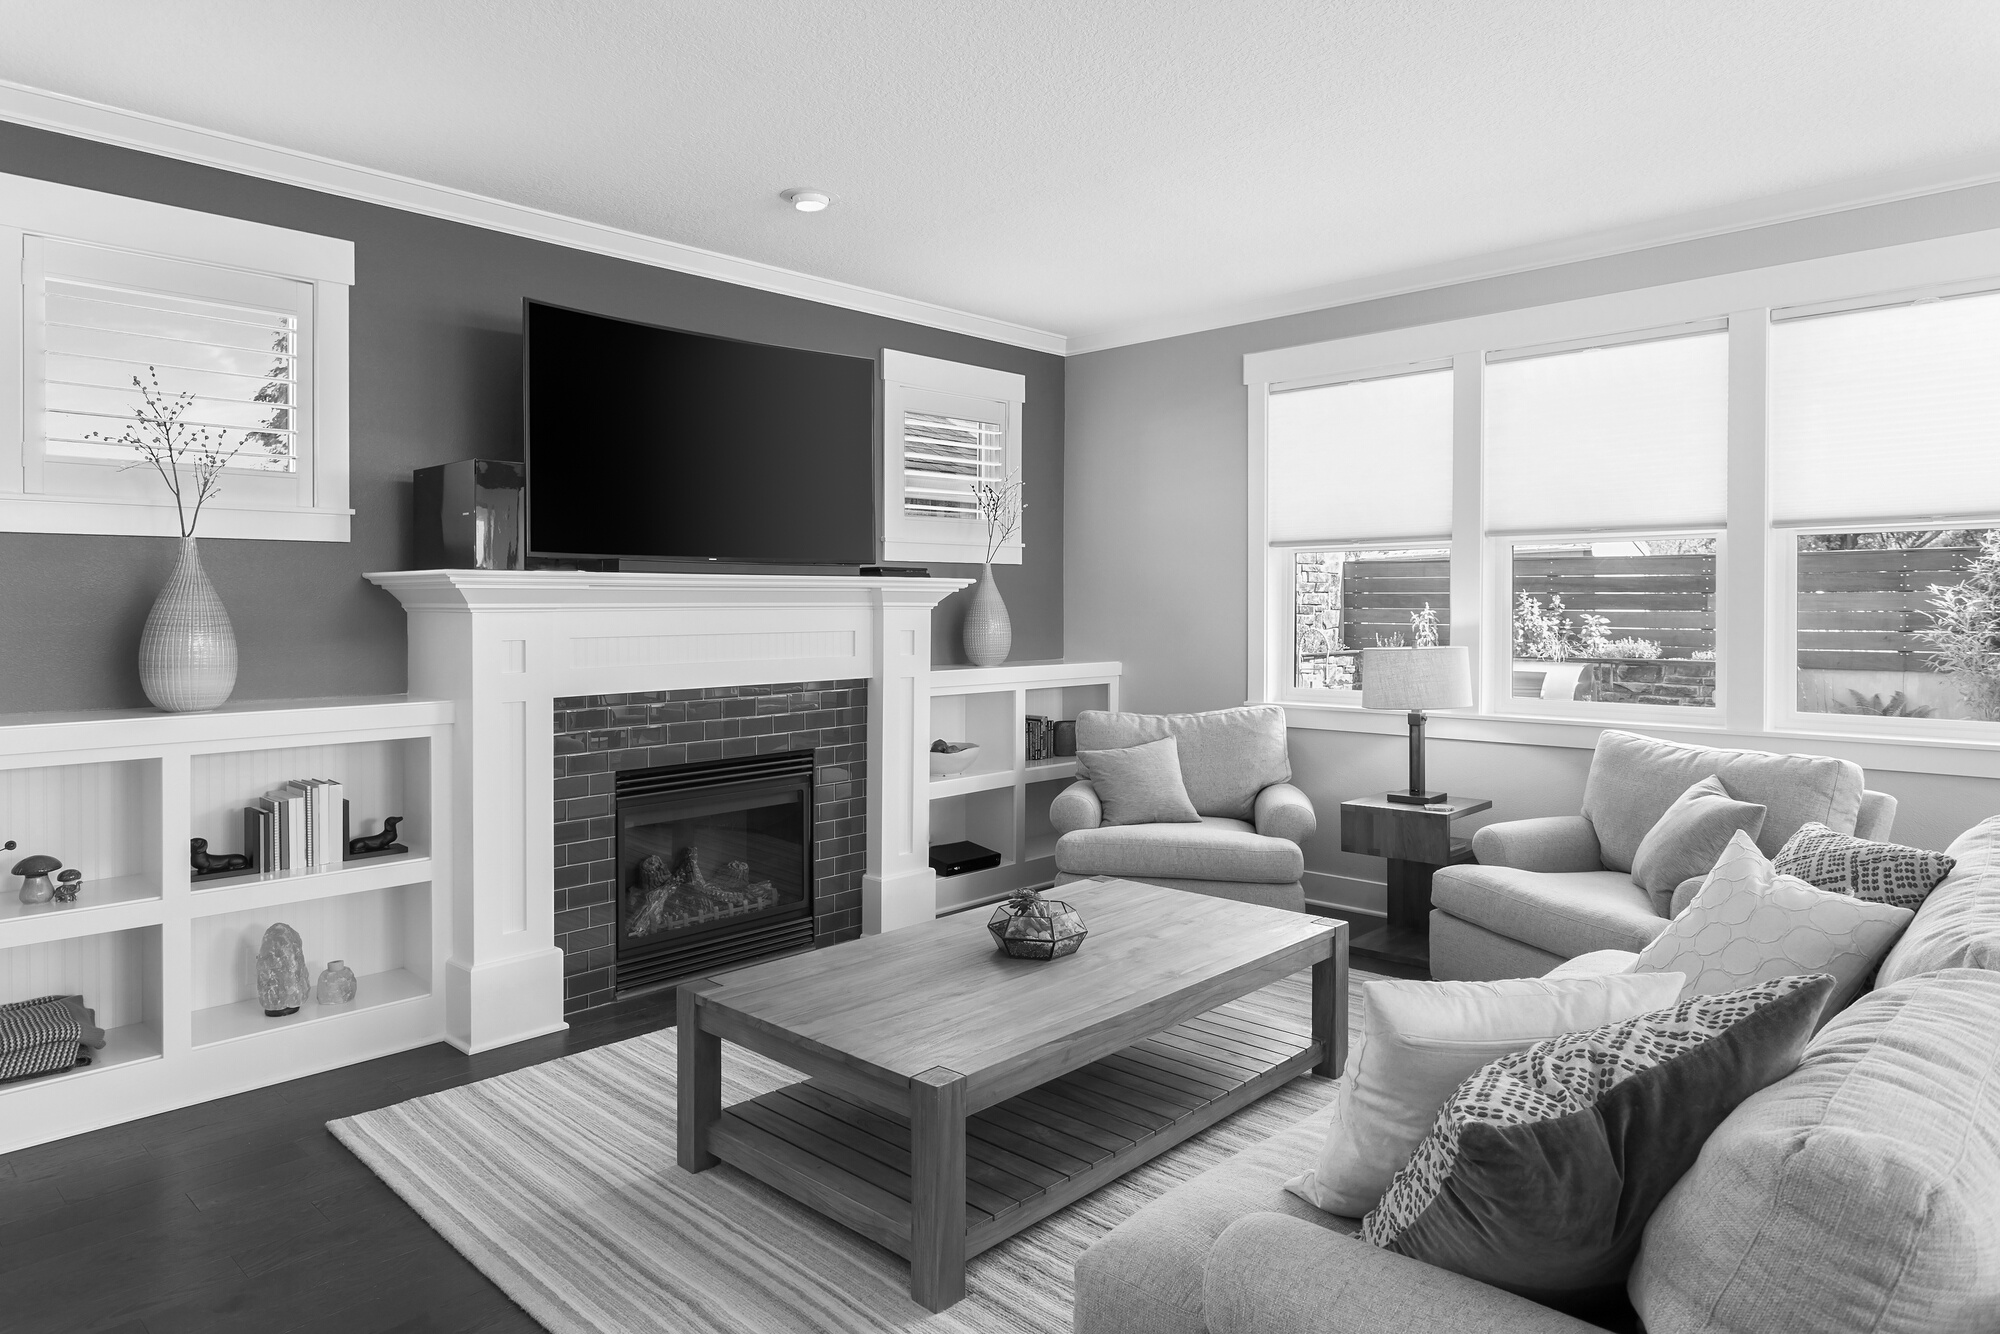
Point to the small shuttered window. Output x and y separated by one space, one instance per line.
944 454
947 427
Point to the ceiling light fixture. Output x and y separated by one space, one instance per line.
806 201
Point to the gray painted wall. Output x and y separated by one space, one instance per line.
436 377
1156 497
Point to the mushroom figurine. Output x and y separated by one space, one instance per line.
67 885
35 887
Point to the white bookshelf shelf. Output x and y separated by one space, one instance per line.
1004 804
246 1018
168 963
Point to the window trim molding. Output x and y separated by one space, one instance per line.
908 371
1754 704
31 208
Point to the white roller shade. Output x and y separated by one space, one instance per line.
1889 413
1633 435
1361 460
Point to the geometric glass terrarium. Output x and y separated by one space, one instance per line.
1029 926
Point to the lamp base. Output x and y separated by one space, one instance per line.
1415 798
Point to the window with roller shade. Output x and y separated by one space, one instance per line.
1885 466
1613 456
1358 469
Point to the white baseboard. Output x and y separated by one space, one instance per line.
1350 894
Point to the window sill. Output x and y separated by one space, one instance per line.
1901 754
68 514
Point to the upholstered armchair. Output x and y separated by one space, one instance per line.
1547 890
1238 777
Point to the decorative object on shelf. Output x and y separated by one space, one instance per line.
380 844
1065 738
469 515
68 884
35 886
282 980
187 652
989 633
46 1035
952 757
1431 677
1029 926
202 862
336 984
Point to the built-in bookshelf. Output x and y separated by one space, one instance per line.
1002 801
168 962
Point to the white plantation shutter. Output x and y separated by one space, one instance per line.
237 342
1627 435
944 453
1360 460
1887 413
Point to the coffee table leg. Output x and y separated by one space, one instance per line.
1329 1008
698 1088
937 1188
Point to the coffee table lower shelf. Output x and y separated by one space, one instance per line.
1025 1157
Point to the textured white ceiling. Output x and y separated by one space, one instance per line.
1107 169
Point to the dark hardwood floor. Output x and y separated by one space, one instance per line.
246 1214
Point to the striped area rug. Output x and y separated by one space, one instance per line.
559 1183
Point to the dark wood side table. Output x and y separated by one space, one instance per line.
1416 840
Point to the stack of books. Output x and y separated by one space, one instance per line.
298 827
1041 737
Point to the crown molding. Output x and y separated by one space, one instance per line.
1794 206
46 110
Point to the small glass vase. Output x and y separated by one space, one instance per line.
187 653
336 984
989 633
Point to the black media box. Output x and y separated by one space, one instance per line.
469 515
958 858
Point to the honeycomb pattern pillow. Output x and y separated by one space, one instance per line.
1542 1170
1860 868
1750 924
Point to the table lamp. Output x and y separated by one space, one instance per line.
1416 679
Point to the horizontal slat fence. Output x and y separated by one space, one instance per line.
1859 611
1667 599
1381 595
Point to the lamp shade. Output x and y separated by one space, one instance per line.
1416 678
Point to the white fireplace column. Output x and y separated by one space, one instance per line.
505 645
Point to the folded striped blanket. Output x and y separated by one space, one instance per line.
46 1034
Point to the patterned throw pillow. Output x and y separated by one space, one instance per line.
1543 1168
1861 869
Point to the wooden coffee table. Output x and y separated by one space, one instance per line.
956 1096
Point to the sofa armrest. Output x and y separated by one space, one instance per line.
1877 814
1551 845
1283 811
1269 1274
1076 807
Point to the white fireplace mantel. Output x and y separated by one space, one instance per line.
504 645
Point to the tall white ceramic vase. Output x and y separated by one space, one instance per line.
989 634
187 653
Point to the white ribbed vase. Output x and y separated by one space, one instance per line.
187 653
988 631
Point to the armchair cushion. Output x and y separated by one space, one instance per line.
1565 914
1139 784
1213 849
1283 811
1076 807
1554 843
1227 756
1634 779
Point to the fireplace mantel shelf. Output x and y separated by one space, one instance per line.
504 645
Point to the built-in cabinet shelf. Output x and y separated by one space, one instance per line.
1003 801
169 963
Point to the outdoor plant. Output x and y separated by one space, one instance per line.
1897 706
1001 506
1547 636
1965 630
160 437
1424 628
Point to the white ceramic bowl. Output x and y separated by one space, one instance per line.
946 763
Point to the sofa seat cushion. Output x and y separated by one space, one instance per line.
1567 914
1145 1275
1634 779
1214 849
1227 756
1861 1192
1959 924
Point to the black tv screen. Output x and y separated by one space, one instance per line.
646 443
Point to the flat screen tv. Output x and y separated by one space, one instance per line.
653 444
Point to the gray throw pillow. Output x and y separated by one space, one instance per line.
1140 784
1862 869
1689 837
